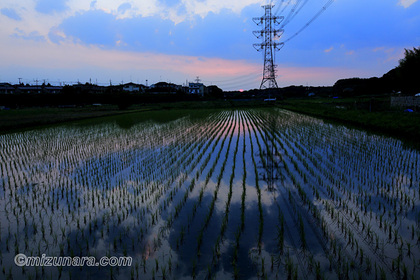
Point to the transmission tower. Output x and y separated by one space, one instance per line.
270 35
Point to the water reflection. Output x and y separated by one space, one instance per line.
161 192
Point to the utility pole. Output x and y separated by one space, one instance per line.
269 34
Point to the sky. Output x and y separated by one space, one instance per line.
148 41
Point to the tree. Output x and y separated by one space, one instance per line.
405 76
411 59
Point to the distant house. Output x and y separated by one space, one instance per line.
132 87
165 87
53 89
30 89
89 88
6 88
196 88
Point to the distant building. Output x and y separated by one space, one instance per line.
196 88
89 88
6 88
30 89
53 89
165 87
132 87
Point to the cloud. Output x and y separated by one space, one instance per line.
32 36
209 32
124 7
328 50
385 55
170 3
406 3
10 13
86 62
93 27
56 36
372 27
216 35
51 6
93 4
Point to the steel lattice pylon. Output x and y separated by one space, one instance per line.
269 34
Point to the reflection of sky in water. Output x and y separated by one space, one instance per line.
107 190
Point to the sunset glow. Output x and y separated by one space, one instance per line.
71 40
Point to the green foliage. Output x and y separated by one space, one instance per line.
404 77
411 61
397 124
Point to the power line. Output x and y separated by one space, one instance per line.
234 79
284 8
296 11
329 2
241 84
247 85
289 16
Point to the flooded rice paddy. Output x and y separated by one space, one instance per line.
245 194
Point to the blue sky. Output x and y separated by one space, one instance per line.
65 41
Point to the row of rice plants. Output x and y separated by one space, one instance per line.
179 209
293 251
360 221
224 223
346 202
187 191
241 227
210 211
257 185
322 180
90 196
301 192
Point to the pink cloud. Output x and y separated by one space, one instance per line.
83 59
91 62
328 50
406 3
316 76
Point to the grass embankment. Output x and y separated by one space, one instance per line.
17 119
372 114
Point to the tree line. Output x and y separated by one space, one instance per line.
404 79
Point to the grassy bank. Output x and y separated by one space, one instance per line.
24 118
17 119
372 114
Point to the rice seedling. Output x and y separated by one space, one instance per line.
350 196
